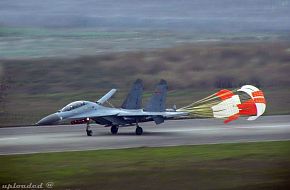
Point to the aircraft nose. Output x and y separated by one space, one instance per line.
49 120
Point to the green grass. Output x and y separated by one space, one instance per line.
26 42
264 165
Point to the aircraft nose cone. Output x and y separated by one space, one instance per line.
49 120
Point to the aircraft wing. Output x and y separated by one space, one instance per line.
133 113
119 116
146 113
158 117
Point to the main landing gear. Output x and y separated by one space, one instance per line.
88 128
139 130
114 129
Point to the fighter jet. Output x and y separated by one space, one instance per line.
130 112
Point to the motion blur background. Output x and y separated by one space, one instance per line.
53 52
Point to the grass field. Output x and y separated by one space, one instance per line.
25 42
33 42
263 165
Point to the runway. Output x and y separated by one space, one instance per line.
40 139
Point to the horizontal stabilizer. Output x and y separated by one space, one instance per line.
107 96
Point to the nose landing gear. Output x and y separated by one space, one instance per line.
88 128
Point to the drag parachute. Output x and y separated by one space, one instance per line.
229 104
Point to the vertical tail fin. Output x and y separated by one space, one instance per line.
134 97
158 99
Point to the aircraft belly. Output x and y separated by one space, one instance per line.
101 121
116 120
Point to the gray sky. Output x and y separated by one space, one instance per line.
211 15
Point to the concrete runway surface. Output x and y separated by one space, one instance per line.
38 139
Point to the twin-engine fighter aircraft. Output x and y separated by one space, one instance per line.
130 113
247 101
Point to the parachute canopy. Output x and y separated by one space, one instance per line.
230 104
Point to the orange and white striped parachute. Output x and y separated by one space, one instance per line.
230 104
258 101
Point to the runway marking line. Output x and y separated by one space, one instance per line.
4 139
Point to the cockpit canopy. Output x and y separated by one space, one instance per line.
73 105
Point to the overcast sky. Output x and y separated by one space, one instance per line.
272 15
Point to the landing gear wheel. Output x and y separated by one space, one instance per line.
88 128
114 129
139 131
89 132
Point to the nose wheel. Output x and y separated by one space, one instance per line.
88 129
89 132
